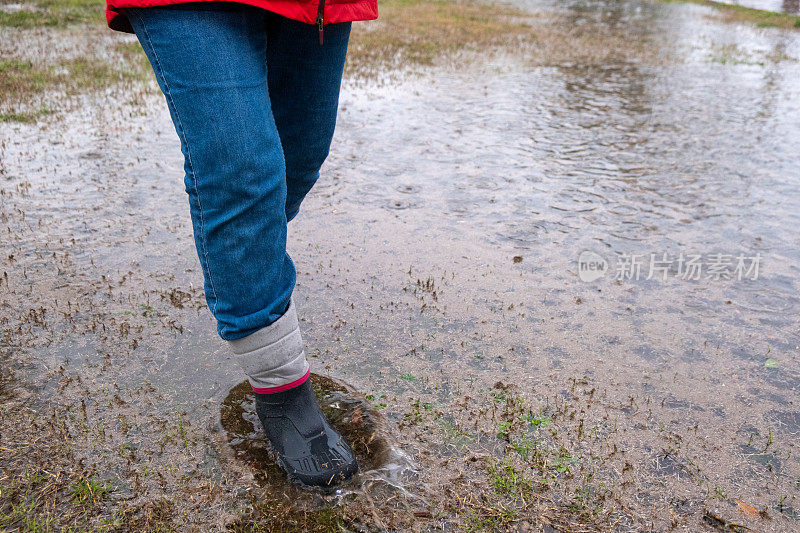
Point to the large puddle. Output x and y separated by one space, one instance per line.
438 275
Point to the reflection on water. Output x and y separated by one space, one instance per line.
624 158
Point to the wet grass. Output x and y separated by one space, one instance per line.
417 32
49 480
21 78
88 490
507 480
18 78
523 457
22 81
51 13
758 17
25 116
488 517
133 55
274 516
90 73
39 489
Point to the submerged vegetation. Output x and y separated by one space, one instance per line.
23 78
32 89
759 17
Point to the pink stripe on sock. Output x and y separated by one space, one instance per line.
287 386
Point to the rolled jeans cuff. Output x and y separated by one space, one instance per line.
273 357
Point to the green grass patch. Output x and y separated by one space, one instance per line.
49 13
25 117
22 81
27 19
83 72
758 17
88 490
489 518
506 480
272 515
19 78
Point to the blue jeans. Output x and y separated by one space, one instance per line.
253 97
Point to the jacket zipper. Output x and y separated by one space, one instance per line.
320 18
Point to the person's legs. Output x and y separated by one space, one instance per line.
210 61
304 80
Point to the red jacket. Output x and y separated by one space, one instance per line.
317 12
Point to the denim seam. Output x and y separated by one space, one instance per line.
168 95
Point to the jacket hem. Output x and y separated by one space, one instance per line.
337 11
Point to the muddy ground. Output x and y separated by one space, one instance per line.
479 151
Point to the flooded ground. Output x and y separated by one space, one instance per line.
489 381
783 6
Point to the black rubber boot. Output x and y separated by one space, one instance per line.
309 449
